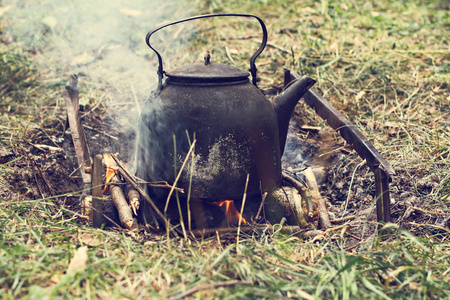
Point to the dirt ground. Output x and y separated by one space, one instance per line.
48 169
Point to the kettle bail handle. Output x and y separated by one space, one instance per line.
253 68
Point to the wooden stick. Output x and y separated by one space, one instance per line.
160 184
131 180
324 218
342 220
96 192
304 192
76 128
124 211
264 196
133 198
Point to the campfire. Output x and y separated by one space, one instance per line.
191 155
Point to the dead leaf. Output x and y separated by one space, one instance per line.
79 260
359 96
90 240
55 278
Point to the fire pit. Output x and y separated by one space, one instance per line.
209 150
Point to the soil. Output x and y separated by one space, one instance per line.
345 181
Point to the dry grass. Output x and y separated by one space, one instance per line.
384 64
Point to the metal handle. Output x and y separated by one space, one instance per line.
252 59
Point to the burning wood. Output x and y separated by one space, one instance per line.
231 213
111 170
123 209
117 195
130 179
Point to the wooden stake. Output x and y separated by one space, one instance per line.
96 191
78 136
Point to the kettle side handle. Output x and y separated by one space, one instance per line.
252 69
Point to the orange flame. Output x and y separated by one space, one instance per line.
232 214
110 170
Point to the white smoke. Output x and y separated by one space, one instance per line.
102 41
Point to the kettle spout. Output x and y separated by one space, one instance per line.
284 105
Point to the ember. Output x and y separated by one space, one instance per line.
231 213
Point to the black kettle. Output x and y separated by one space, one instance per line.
238 132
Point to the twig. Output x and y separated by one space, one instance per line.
264 196
342 220
102 132
95 106
428 211
130 234
352 247
46 147
209 286
106 217
430 225
350 185
242 210
59 212
42 176
159 184
38 186
130 180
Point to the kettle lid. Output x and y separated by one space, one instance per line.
207 72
